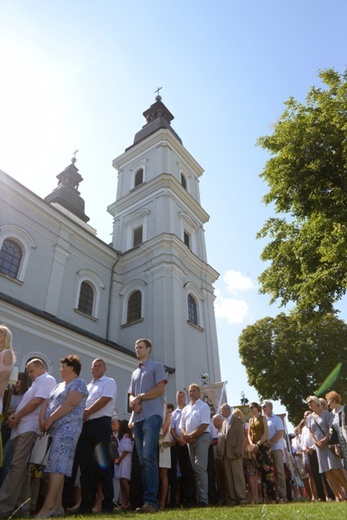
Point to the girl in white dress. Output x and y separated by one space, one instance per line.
125 448
164 457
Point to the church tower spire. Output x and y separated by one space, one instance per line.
66 194
165 282
157 116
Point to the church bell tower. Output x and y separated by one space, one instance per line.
163 279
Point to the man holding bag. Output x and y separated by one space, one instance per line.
15 491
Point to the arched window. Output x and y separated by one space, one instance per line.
86 299
192 310
134 307
10 258
139 178
183 181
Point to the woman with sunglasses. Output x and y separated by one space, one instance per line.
258 439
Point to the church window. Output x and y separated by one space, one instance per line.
183 181
137 236
10 258
86 299
134 307
186 238
139 178
192 310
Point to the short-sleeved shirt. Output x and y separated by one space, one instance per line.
275 424
41 387
175 421
193 415
213 432
143 379
103 387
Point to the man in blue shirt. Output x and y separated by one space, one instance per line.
146 400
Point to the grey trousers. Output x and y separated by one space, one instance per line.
281 488
198 453
15 491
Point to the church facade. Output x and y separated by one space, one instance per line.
63 290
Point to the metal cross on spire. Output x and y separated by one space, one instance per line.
73 160
158 97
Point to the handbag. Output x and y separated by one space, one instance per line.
332 442
113 448
164 441
333 438
40 450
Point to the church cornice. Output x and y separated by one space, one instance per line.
168 250
162 137
61 324
162 185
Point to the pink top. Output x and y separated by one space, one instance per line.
3 367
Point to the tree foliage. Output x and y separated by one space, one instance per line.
307 177
287 358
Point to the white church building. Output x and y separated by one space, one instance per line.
64 291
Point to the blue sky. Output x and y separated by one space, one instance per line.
79 74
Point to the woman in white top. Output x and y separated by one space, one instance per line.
319 423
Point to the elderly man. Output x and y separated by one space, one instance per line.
195 426
146 399
93 445
234 436
15 491
218 451
276 431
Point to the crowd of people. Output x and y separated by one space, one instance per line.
164 455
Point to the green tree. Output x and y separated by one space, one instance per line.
287 358
307 177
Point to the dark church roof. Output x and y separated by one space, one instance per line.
158 116
66 193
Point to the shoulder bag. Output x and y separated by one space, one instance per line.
333 440
40 450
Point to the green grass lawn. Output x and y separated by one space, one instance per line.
293 511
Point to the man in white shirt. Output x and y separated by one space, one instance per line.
276 431
195 426
15 491
93 445
186 480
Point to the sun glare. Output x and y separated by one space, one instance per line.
28 106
